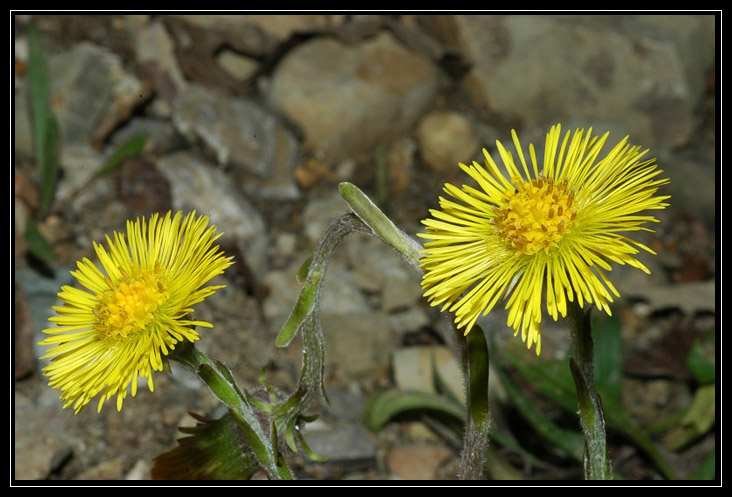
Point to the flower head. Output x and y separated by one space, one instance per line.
134 311
534 233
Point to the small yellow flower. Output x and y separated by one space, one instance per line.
117 330
533 232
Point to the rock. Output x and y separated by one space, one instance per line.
545 69
349 446
112 469
91 93
346 402
160 134
357 345
400 293
445 139
240 67
40 441
349 99
339 295
143 188
282 27
80 162
410 320
319 212
155 50
242 135
196 185
690 298
23 335
140 471
418 461
413 369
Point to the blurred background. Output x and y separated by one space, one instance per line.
255 119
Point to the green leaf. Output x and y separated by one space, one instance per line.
697 420
131 148
381 225
44 126
215 450
383 406
706 470
568 441
37 244
700 366
608 358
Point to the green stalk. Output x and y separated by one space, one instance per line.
592 419
218 378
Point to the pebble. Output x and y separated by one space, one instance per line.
91 93
197 185
240 134
601 73
349 446
445 139
418 461
317 83
413 369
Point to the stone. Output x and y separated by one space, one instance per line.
358 345
445 139
24 363
197 185
40 441
413 369
260 152
283 27
319 212
400 293
240 67
418 461
346 402
155 48
349 446
91 93
348 99
545 69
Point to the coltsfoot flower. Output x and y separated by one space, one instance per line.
134 310
539 236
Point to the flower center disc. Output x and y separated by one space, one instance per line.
535 215
129 306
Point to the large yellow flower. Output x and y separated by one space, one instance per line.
539 232
117 330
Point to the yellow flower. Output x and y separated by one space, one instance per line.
108 336
532 233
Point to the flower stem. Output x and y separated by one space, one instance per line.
474 354
592 419
218 378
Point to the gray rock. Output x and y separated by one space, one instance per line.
357 345
161 136
349 99
91 93
346 402
197 185
413 369
349 446
339 295
400 293
545 69
40 441
154 47
319 212
241 135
